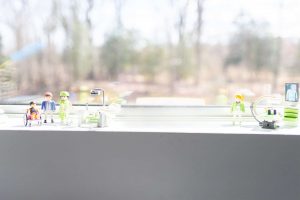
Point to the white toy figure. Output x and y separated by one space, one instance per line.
292 94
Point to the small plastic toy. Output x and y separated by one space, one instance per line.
291 110
32 114
64 107
98 117
269 118
291 116
48 106
291 92
237 108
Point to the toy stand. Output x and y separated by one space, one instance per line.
97 118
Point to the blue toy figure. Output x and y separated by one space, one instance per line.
48 106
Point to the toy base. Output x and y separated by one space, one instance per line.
268 125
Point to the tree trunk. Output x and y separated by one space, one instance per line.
198 40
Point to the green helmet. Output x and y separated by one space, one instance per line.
64 94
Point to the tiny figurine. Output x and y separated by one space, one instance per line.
32 114
64 107
291 108
48 107
291 92
237 108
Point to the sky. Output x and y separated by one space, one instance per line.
151 18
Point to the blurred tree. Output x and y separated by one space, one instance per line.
198 31
48 60
2 58
181 26
295 67
78 50
180 60
16 21
118 51
119 5
51 24
251 46
93 74
1 49
7 86
151 61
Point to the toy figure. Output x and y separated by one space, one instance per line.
292 93
64 107
48 106
33 113
237 108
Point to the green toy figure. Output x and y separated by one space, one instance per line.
64 107
237 108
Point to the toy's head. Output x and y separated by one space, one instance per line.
32 104
64 95
239 97
48 96
293 86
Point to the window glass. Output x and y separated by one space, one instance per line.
158 52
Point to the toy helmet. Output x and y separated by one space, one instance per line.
48 94
240 97
64 94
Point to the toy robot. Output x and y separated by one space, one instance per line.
64 107
237 108
48 106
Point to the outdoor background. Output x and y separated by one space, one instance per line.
202 49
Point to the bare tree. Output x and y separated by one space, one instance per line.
89 24
1 46
119 5
51 24
16 22
180 26
277 58
199 22
49 60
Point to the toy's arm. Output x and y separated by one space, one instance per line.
43 107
